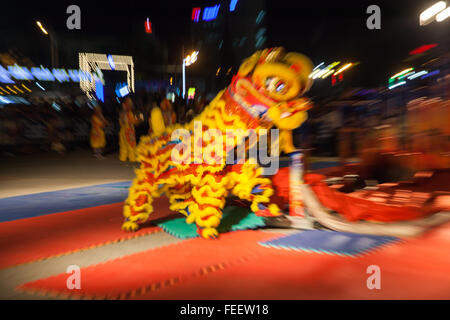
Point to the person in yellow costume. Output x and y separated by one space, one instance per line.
97 136
127 135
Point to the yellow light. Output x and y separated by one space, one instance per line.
41 27
327 74
218 70
7 87
26 87
402 72
4 90
18 89
171 80
345 67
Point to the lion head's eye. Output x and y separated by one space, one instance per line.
275 84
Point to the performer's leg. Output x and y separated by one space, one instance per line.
206 208
122 146
138 205
248 184
131 153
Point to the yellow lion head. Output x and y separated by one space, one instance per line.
278 79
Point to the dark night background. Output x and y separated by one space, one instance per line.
323 30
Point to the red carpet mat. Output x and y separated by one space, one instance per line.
37 238
236 268
157 269
415 269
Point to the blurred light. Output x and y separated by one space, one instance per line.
196 14
427 15
423 48
191 93
312 74
418 74
190 59
327 74
61 75
441 16
28 89
405 75
42 74
99 90
4 90
401 72
20 73
5 100
233 4
4 76
210 13
260 16
7 87
171 80
124 91
148 26
56 106
111 62
320 72
41 27
318 65
74 75
218 71
345 67
18 89
430 74
397 85
40 86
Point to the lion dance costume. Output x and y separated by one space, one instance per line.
265 92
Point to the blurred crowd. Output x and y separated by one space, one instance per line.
64 124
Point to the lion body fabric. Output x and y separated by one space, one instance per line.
198 187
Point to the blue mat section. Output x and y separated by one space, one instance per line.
39 204
330 242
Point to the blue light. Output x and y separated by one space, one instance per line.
40 86
42 74
233 4
4 76
111 61
99 90
74 75
20 73
260 16
210 13
61 75
5 100
122 90
56 106
430 74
